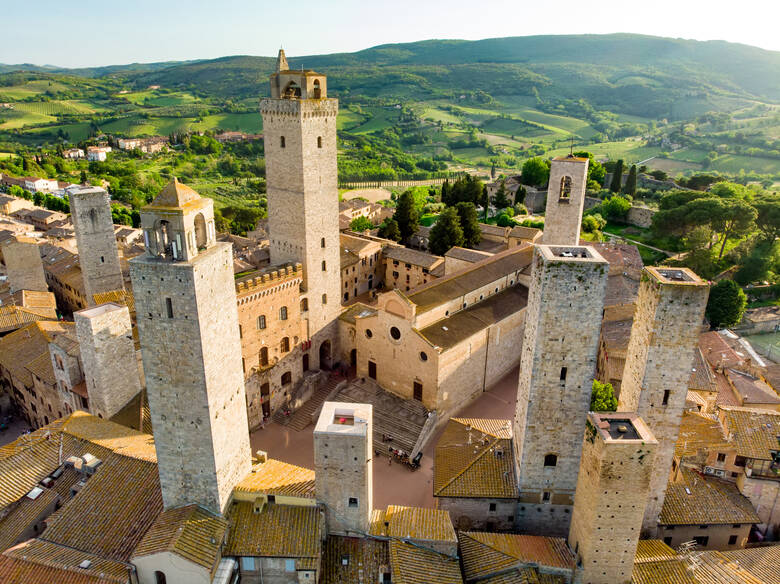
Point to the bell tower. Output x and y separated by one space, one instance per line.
299 124
188 324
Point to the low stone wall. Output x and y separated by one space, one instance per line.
640 216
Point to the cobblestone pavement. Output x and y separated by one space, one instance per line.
393 484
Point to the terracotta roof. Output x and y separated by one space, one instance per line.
717 351
43 562
696 499
467 255
653 550
529 233
698 432
24 514
466 460
26 345
754 432
274 477
495 230
411 564
751 390
622 288
761 563
175 194
448 332
191 532
15 317
702 377
725 395
672 571
616 334
135 414
486 553
622 257
471 278
122 297
414 523
282 531
412 256
367 558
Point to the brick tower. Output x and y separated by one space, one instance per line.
23 264
98 255
558 361
565 201
299 124
343 465
188 323
612 489
105 335
667 321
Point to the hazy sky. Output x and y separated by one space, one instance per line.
103 32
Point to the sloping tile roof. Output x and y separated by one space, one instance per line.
418 523
282 531
662 572
702 377
14 317
23 515
707 500
698 432
175 194
414 565
466 463
653 550
467 255
476 276
752 390
754 432
525 232
43 562
274 477
485 553
192 532
23 346
121 297
367 559
762 563
412 256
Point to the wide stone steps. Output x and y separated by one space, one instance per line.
302 417
401 419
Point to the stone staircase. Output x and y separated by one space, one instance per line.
302 417
401 419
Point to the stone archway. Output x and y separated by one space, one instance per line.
325 359
201 233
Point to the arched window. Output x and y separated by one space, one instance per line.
317 90
283 313
201 236
264 357
285 345
286 378
565 187
261 322
550 460
281 142
304 304
319 141
159 577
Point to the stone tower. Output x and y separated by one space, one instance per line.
24 265
558 361
185 303
98 255
344 467
105 335
299 124
612 489
667 322
565 201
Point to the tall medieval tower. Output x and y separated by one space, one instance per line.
667 321
562 326
612 489
188 323
299 125
565 201
98 255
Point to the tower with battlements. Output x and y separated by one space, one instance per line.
343 459
299 126
98 255
612 489
565 201
667 322
188 324
558 362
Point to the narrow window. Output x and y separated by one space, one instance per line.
353 502
324 298
240 332
563 373
287 378
666 397
546 496
285 344
550 460
304 304
283 313
264 357
492 507
169 307
319 141
281 142
102 260
322 242
261 322
565 187
324 266
732 539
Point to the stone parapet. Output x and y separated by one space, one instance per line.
304 108
268 280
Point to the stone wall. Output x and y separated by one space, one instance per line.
718 536
640 216
558 362
565 201
192 363
665 332
475 513
765 496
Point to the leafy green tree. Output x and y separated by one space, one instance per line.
730 190
500 199
602 397
617 177
616 208
360 224
504 220
630 186
768 219
389 229
469 223
406 215
535 172
734 218
596 171
446 232
593 223
726 304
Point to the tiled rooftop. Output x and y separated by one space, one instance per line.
413 522
412 564
282 531
754 432
274 477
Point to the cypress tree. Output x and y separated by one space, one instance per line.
406 215
630 188
469 223
446 232
617 177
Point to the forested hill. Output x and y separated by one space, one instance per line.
627 73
